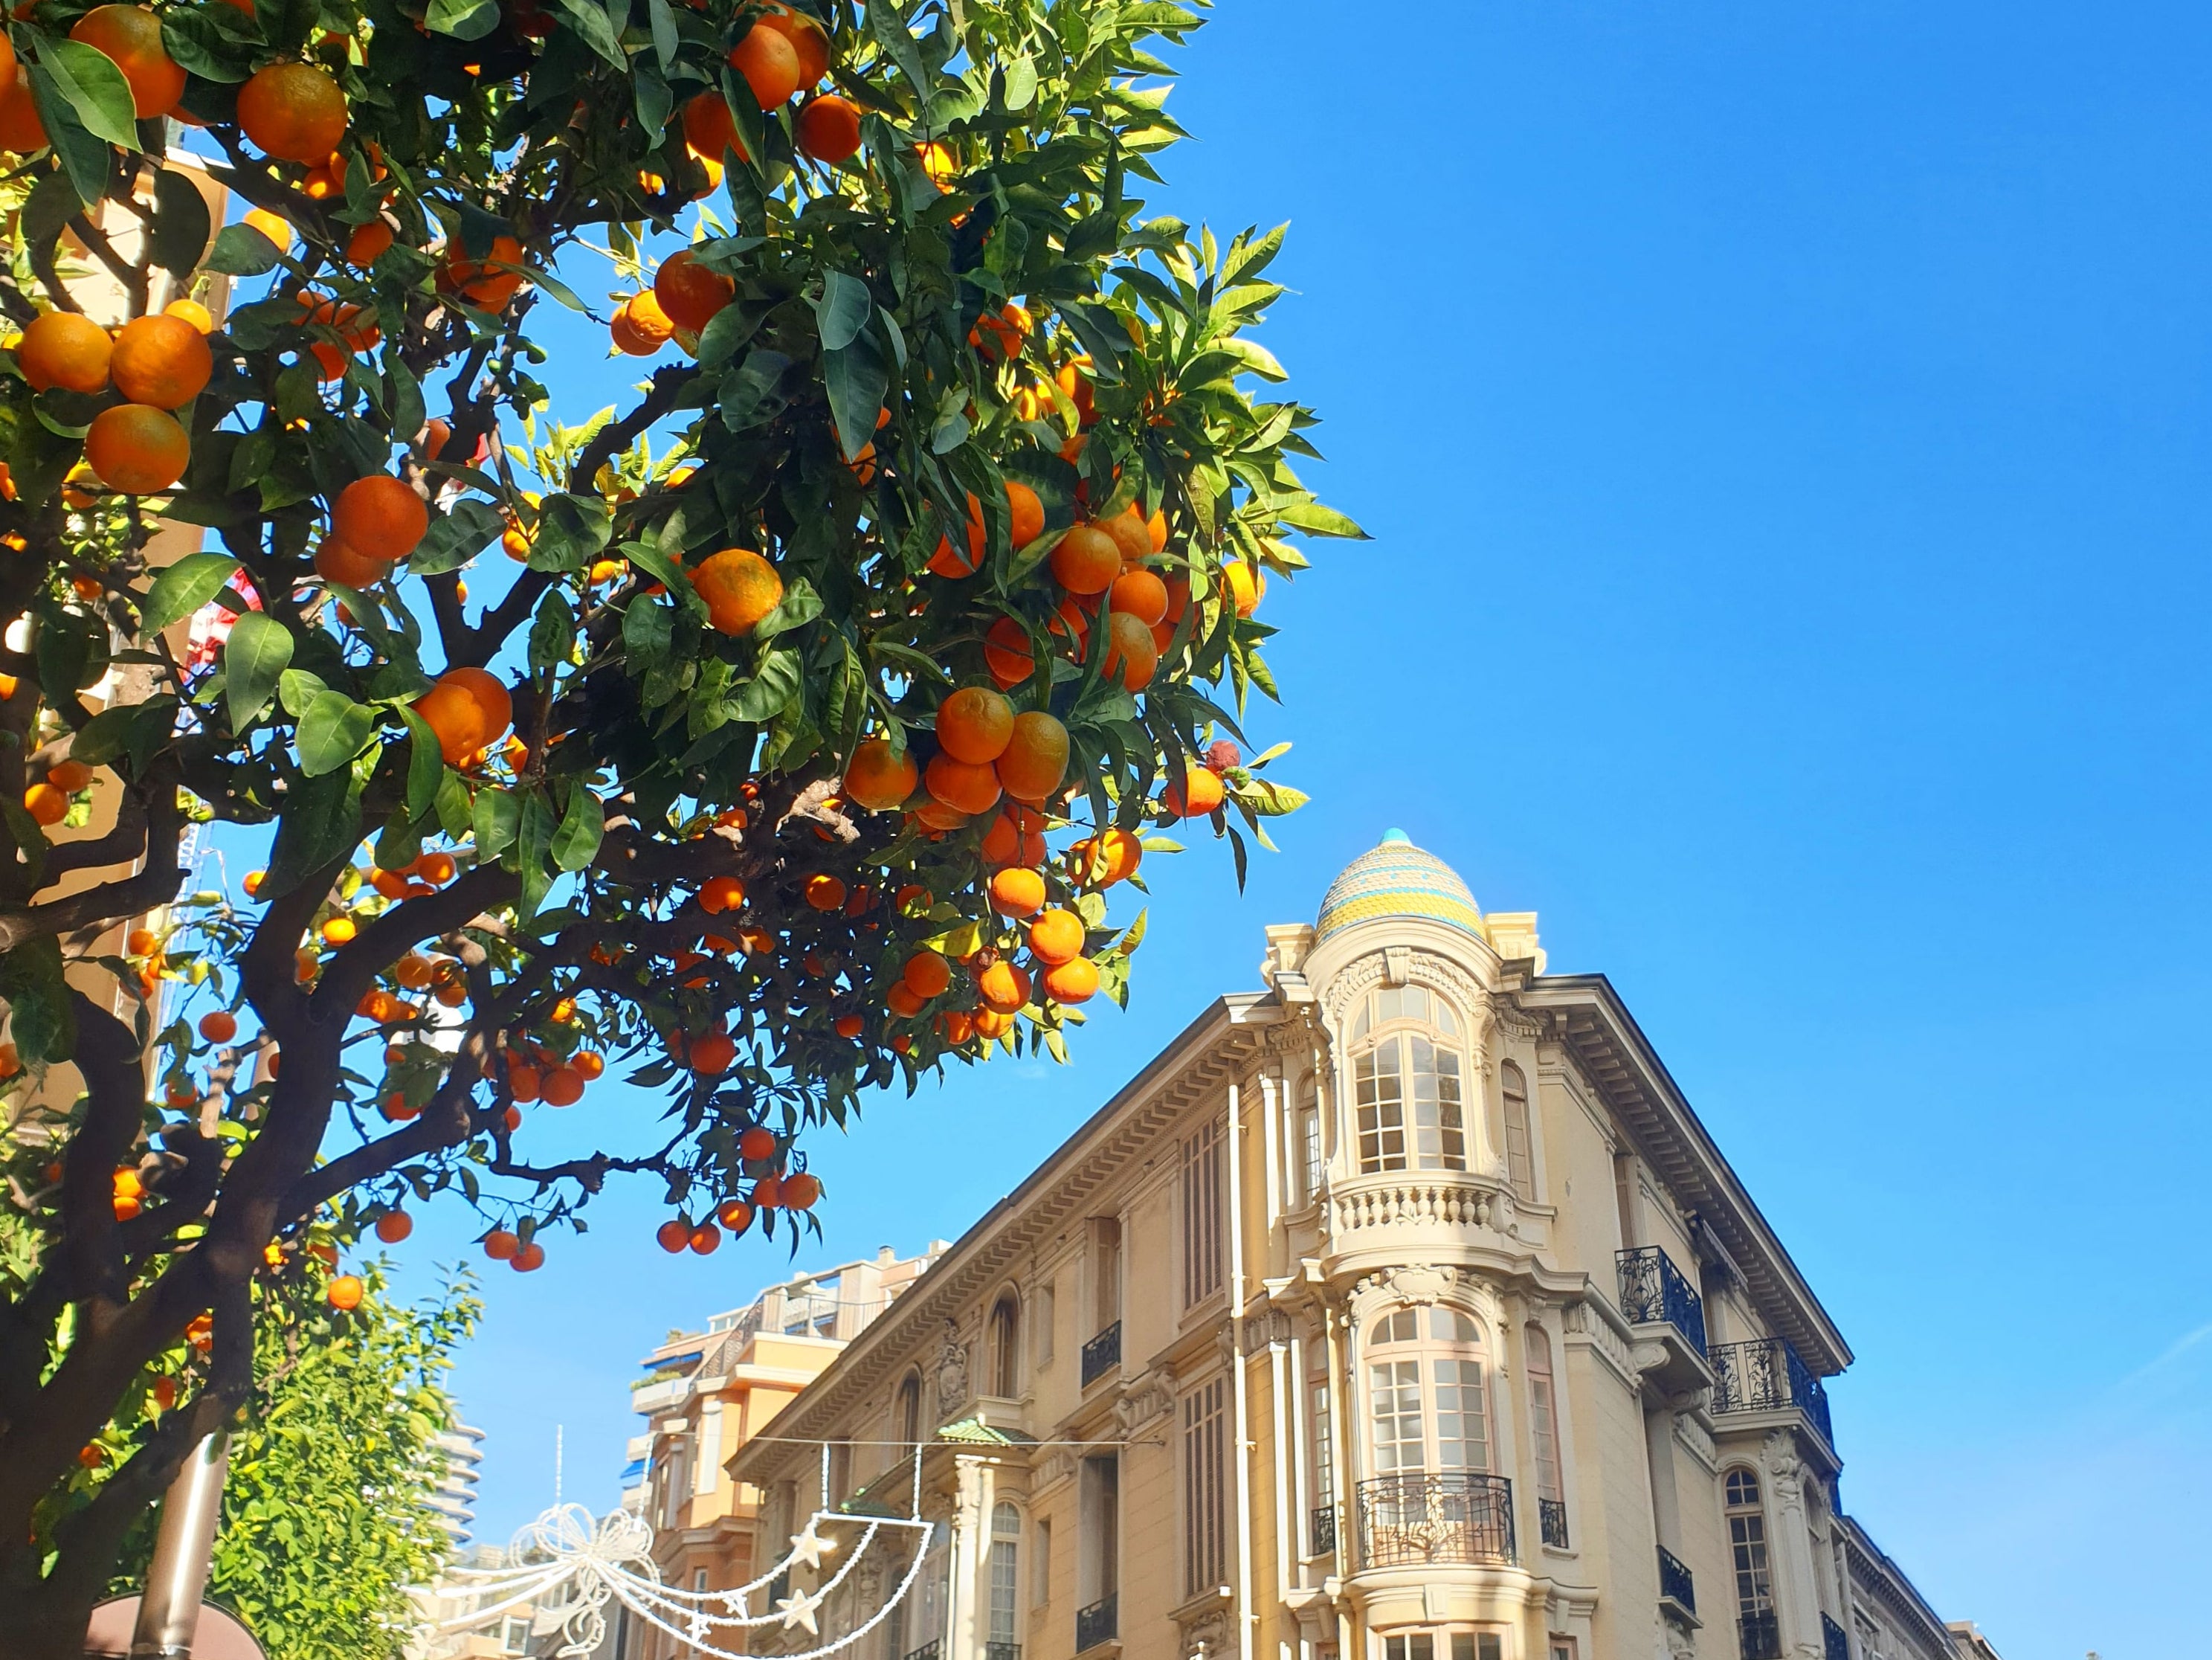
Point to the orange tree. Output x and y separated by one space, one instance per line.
792 760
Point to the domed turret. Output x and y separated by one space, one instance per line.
1397 879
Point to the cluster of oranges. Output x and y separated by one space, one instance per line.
47 798
772 1189
156 364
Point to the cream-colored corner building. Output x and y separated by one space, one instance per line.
1401 1310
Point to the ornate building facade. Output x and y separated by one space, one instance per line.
1401 1310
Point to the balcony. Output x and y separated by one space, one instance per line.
1668 1315
1101 1354
1835 1642
1552 1520
1675 1584
1096 1624
928 1651
1758 1635
1321 1531
1767 1375
1416 1518
1002 1651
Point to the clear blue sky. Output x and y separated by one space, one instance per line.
1783 430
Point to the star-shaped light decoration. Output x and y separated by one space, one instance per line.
808 1547
797 1609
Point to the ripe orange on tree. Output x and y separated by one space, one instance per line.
706 1240
130 36
975 724
828 129
800 1190
1100 860
344 1293
1018 891
712 1054
137 449
1246 585
492 281
293 111
768 64
1056 937
1132 655
381 516
1006 652
219 1027
1197 793
721 893
336 562
709 129
689 293
1087 560
927 974
65 349
640 327
394 1226
20 129
673 1235
1035 761
878 780
529 1259
367 245
162 360
500 1244
965 786
757 1142
1071 982
1003 987
807 39
739 587
466 710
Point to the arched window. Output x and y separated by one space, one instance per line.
906 1416
1544 1432
1406 1079
1747 1526
1520 1161
1005 1573
1005 1346
1308 1155
1428 1399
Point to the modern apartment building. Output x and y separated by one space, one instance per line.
1401 1310
708 1393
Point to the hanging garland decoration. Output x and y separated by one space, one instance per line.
610 1559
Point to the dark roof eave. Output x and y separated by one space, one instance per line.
1554 990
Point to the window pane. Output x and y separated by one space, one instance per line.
1449 1119
1395 1389
1462 1428
1451 1326
1421 1646
1006 1587
1324 1451
1381 1102
1520 1160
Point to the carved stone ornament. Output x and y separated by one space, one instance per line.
1419 1284
1205 1635
1053 1466
1143 1400
952 1372
1397 964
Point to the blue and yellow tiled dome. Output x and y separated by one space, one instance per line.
1397 880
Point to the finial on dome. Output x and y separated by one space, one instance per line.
1394 834
1394 879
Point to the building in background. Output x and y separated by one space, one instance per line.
455 1499
1401 1310
708 1393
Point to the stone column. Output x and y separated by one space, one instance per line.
1797 1587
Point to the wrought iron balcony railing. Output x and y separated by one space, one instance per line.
928 1651
1766 1375
1552 1518
1674 1580
1095 1624
1419 1516
1835 1641
1101 1354
1002 1651
1320 1531
1759 1635
1652 1289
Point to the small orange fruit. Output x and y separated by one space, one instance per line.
878 780
964 787
1018 891
466 710
137 449
825 893
828 129
1197 795
1056 937
1035 757
162 360
1071 982
769 64
219 1027
344 1293
293 111
381 516
689 295
130 36
1087 560
975 724
367 244
739 587
65 349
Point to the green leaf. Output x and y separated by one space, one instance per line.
858 377
553 633
898 43
800 605
181 223
465 20
665 41
769 692
597 33
571 531
843 312
321 822
496 816
94 86
198 38
1021 81
242 251
259 649
426 764
1318 521
576 843
457 537
42 1021
88 159
332 731
296 689
183 587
